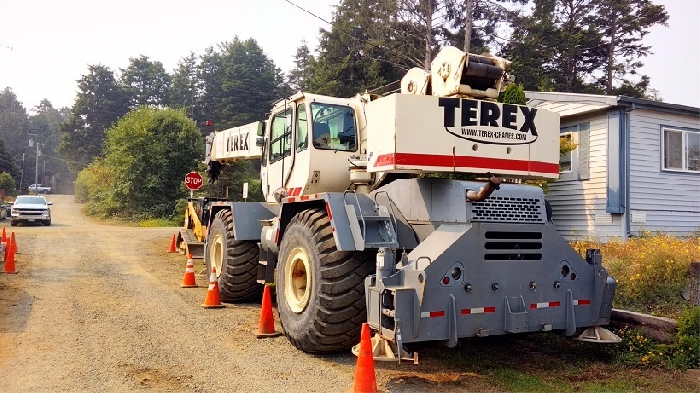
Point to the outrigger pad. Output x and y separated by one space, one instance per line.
382 351
598 334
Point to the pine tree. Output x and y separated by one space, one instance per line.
100 102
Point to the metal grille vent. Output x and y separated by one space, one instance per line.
508 209
513 246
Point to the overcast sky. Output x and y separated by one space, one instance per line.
46 45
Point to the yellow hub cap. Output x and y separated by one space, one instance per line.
216 255
297 280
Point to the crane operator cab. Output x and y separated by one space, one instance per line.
308 143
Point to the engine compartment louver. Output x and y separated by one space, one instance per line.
505 208
513 246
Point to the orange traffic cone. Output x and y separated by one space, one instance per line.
365 379
266 326
6 249
14 244
188 280
172 245
4 235
213 300
10 260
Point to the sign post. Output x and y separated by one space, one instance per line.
193 181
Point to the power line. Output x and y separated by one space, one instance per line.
397 53
307 11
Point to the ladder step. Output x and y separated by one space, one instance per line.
382 244
376 218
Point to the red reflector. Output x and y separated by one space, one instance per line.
489 309
445 280
434 314
329 212
466 311
533 306
584 301
554 304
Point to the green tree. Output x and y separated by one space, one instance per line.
7 163
248 83
364 49
623 25
100 102
556 48
147 154
183 88
7 183
299 76
14 124
474 25
146 82
209 74
44 122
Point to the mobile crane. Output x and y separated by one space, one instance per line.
355 229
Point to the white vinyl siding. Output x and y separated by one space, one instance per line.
669 200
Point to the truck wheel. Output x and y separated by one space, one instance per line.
320 290
236 262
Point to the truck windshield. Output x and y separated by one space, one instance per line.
333 127
33 200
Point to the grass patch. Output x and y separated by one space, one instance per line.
552 363
651 271
160 222
515 381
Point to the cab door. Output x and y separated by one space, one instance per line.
278 155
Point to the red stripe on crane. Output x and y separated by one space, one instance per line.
441 160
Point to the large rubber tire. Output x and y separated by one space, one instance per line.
320 290
236 261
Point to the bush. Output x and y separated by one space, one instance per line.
651 271
7 183
146 156
637 349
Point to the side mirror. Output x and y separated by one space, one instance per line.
259 142
49 203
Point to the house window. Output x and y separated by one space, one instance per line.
574 164
681 150
565 158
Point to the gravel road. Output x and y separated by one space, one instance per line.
99 308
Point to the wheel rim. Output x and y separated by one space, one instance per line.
216 255
297 280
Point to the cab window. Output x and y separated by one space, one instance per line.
333 127
280 135
302 140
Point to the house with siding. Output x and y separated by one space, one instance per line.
636 166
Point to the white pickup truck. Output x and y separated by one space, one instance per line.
39 189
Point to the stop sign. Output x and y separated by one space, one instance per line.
193 181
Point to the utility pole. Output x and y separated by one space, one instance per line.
21 179
36 168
